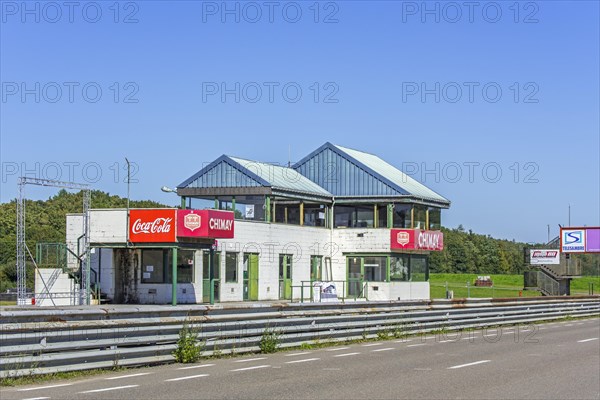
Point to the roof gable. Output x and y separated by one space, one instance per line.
223 172
347 172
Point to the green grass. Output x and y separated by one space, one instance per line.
7 303
504 286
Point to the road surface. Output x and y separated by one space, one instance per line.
548 361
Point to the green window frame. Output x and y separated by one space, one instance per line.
231 267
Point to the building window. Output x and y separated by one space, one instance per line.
420 217
314 215
419 271
354 216
402 217
375 269
153 266
157 266
216 264
231 267
435 219
399 268
316 268
382 214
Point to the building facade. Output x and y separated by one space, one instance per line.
339 219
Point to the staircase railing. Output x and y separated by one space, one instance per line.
547 284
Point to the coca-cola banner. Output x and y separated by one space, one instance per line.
156 225
205 224
416 239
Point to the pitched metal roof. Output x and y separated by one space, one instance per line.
352 173
235 172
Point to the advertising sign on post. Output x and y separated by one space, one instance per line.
544 257
416 239
580 239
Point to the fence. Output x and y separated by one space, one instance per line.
35 341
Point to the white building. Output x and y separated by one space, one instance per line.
338 215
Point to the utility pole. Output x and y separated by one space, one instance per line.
569 214
548 234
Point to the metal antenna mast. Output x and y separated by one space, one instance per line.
22 244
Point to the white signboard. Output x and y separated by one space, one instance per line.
573 241
544 257
249 211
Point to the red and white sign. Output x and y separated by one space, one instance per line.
155 225
205 224
538 257
416 239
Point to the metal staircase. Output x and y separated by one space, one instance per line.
555 280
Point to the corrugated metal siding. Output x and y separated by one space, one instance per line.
223 175
341 177
392 174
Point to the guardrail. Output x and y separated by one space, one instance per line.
34 341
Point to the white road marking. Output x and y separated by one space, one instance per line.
44 387
128 376
250 359
249 368
569 325
186 377
579 323
331 369
469 364
371 344
587 340
528 330
346 354
422 369
468 338
403 341
446 341
37 398
338 349
298 354
110 388
197 366
386 349
415 345
303 360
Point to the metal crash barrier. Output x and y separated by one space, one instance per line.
38 341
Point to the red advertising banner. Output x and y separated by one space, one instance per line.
156 225
205 224
416 239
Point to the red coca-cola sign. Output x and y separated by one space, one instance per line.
205 224
152 225
416 239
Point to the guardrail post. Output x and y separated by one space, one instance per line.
468 289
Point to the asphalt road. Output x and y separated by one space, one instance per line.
549 361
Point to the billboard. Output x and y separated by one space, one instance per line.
155 225
416 239
205 224
544 257
580 240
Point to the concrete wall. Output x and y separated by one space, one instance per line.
53 287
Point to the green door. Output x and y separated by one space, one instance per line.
251 276
285 276
355 276
216 262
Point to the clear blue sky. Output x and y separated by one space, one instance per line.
373 61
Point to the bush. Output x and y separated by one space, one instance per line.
269 342
188 347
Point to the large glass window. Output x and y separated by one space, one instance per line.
314 215
399 268
354 216
375 269
216 264
153 266
382 216
231 267
418 269
157 266
435 219
420 217
402 216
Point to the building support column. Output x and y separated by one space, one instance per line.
268 208
174 278
390 216
375 217
182 202
301 213
233 206
211 275
216 203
